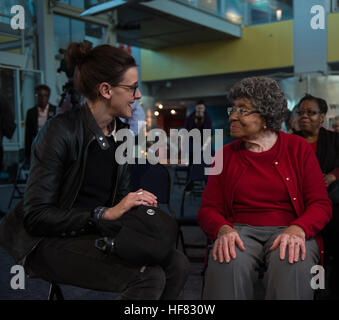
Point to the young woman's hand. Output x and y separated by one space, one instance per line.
133 199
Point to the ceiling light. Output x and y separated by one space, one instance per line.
233 17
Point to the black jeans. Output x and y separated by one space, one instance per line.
76 261
1 155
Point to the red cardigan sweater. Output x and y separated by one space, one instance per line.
299 169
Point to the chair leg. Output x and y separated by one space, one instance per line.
180 237
55 292
12 197
16 192
203 284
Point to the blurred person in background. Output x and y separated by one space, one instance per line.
199 119
325 144
37 116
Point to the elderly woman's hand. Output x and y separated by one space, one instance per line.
329 178
294 238
224 245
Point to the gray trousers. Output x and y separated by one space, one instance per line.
282 280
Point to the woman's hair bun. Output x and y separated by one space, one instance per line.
77 52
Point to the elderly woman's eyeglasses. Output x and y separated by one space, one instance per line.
242 112
309 113
132 88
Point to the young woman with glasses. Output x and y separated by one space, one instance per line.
75 182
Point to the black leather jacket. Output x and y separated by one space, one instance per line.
58 163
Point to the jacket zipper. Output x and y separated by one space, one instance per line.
116 186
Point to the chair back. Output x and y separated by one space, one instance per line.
197 172
153 178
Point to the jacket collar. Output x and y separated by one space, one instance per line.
93 127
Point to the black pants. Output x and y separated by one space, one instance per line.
330 235
1 155
75 261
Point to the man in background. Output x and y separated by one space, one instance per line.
200 120
37 116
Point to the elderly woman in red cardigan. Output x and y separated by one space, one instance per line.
267 206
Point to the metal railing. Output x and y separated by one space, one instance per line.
243 12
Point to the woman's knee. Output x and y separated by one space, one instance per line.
149 285
178 263
238 271
154 277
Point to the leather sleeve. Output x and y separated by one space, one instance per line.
124 184
43 215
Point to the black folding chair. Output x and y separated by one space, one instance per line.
155 179
20 183
55 292
181 173
192 190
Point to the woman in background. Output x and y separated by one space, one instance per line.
325 143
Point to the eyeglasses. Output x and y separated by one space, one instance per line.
241 112
309 113
133 88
